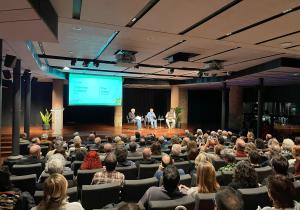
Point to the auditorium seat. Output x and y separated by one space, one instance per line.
20 170
25 182
133 190
224 178
297 186
147 170
67 174
85 177
241 158
76 165
134 159
71 192
97 196
24 150
204 201
184 165
263 172
218 164
254 197
157 157
130 172
186 201
184 179
68 164
44 149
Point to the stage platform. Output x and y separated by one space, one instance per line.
103 130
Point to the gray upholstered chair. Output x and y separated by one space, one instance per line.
71 192
27 169
204 201
25 182
186 201
184 165
254 197
85 177
147 170
218 164
130 172
263 172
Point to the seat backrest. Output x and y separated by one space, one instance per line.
68 175
297 186
24 150
25 182
85 177
44 150
225 178
97 196
134 159
185 179
27 169
184 165
147 170
76 166
130 172
263 172
254 197
186 201
204 201
135 189
218 164
71 192
157 157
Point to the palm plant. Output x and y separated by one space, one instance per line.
46 118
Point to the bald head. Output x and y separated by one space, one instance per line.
35 150
147 153
108 148
166 160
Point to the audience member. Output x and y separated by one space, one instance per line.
91 161
165 161
228 199
147 157
132 150
240 146
156 148
254 158
176 152
121 154
280 165
33 157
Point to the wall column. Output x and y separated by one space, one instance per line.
118 119
27 105
179 98
260 107
16 109
57 107
236 107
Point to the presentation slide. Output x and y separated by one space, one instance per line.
95 90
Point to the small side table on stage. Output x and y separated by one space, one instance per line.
160 119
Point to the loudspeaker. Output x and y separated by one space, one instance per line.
6 74
10 61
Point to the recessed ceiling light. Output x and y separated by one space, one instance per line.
287 10
134 19
66 68
296 74
70 52
228 34
286 44
77 28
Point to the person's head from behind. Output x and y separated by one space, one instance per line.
121 154
287 144
281 191
132 146
171 178
92 137
192 153
55 164
240 145
77 141
35 151
110 162
165 161
254 157
228 199
60 150
202 157
147 153
55 191
280 165
268 136
218 148
206 178
36 140
79 155
296 151
176 149
97 140
156 148
23 135
244 173
259 143
108 148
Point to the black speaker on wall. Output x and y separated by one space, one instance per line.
6 74
10 61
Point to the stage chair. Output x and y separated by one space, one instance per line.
147 170
134 190
218 164
71 192
68 175
85 177
297 186
129 172
204 201
263 172
186 201
184 179
76 165
97 196
25 182
254 197
20 170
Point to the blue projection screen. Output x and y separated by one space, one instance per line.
95 90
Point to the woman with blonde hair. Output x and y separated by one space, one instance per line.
55 195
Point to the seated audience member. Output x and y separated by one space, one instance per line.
11 197
163 142
90 139
254 158
218 148
121 154
202 157
268 137
44 139
24 139
132 150
156 148
36 140
240 146
55 195
147 157
108 148
296 162
250 146
206 180
192 154
260 144
91 161
229 158
33 157
272 142
250 136
168 191
58 144
191 145
77 146
286 148
184 143
295 154
244 176
109 174
175 153
165 161
228 199
97 142
282 193
211 142
137 136
280 165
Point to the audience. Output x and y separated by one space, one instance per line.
156 148
240 146
91 161
121 154
33 157
132 150
280 165
165 161
228 199
175 153
147 157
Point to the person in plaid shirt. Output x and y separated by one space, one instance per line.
109 174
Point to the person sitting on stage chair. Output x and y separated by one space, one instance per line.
151 117
135 119
171 117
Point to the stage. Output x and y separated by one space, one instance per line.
102 130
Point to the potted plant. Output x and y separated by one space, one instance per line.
178 111
46 118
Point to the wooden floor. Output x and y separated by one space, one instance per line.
103 130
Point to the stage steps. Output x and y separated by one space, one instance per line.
5 145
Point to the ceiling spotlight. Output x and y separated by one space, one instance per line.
77 28
286 44
85 62
287 10
296 74
71 52
171 71
228 34
133 19
73 61
66 68
96 63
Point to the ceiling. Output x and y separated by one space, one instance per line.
243 33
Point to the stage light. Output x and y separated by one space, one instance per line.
73 61
85 62
6 74
96 63
66 68
171 71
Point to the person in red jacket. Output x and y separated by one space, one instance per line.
91 161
